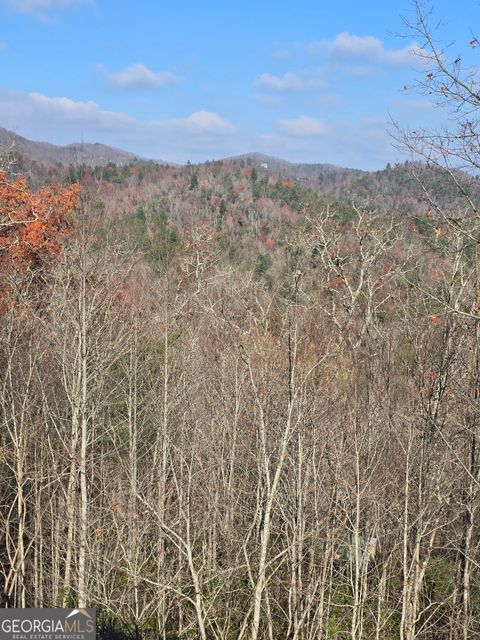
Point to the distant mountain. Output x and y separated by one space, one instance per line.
77 153
400 187
255 159
325 178
278 164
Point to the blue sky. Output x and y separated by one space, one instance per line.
309 80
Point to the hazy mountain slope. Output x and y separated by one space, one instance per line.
76 153
394 188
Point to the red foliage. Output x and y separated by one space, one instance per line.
32 225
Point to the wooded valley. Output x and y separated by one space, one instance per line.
240 400
238 408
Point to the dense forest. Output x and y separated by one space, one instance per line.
240 400
233 407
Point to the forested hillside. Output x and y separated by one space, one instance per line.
239 394
237 405
75 153
239 400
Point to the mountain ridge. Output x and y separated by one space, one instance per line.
98 154
92 154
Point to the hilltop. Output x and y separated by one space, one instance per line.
92 154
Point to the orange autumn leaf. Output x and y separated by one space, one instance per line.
435 320
33 225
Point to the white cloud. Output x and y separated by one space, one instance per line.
61 120
138 76
346 46
204 122
40 7
70 111
199 122
302 127
288 82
